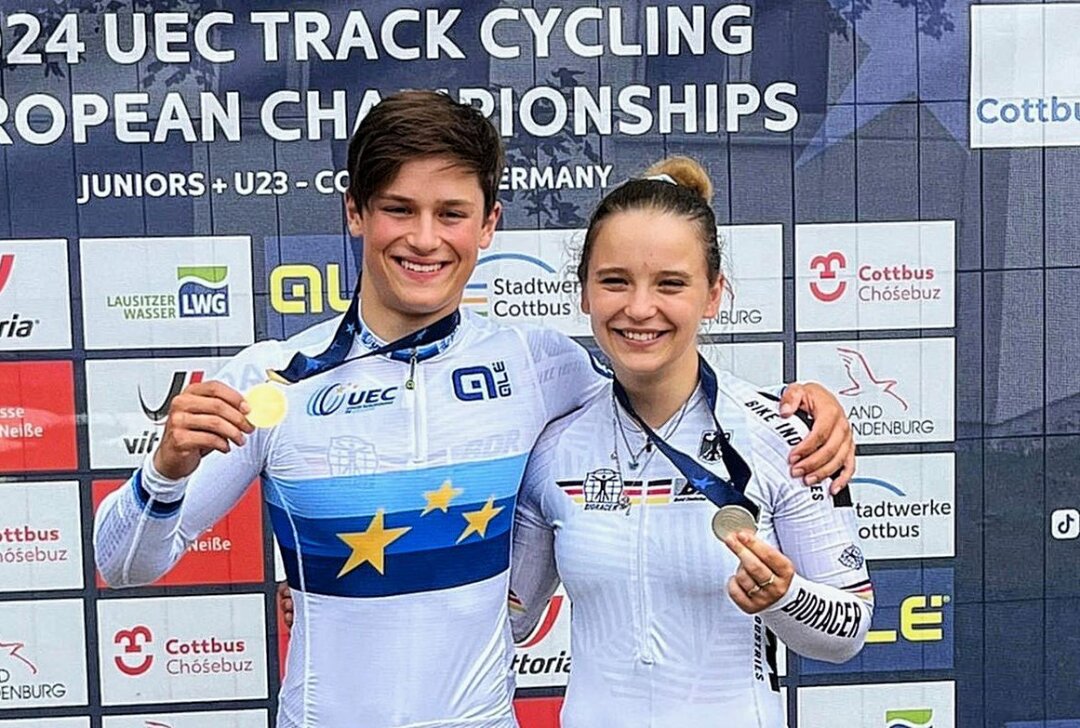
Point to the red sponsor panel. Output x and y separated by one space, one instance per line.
538 712
283 637
37 417
231 552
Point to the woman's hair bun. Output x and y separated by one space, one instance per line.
687 173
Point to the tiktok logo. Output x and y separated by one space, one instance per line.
826 266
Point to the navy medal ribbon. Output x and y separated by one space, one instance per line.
302 366
719 491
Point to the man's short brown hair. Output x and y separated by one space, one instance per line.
415 124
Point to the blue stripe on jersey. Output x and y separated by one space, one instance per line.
396 491
433 530
407 573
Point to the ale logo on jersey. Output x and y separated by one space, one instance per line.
909 718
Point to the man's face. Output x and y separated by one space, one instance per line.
422 235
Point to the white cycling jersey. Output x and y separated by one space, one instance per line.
392 505
656 641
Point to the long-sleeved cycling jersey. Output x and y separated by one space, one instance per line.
656 641
391 486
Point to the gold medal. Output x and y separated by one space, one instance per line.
268 405
730 519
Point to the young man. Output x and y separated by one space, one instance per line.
391 481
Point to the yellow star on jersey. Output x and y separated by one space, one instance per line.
370 546
439 500
479 520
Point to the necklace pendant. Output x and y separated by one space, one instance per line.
633 464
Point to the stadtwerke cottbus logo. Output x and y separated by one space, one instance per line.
535 292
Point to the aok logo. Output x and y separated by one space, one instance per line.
133 661
301 289
922 619
473 384
203 291
828 289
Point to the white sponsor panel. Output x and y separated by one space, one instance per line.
529 275
758 363
35 300
905 505
880 275
886 705
128 400
182 649
1024 88
40 536
209 719
42 654
156 292
542 660
754 291
895 390
82 722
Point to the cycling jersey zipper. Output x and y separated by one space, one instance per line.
644 603
416 401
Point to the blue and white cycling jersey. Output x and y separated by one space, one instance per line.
391 487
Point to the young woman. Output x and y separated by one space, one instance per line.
672 627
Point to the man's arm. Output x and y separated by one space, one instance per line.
207 457
829 450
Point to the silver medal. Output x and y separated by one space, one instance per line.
730 519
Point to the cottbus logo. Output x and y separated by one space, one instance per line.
826 265
132 641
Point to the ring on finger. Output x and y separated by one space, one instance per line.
753 590
772 578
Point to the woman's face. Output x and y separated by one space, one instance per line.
647 291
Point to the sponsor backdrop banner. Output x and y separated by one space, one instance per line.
897 203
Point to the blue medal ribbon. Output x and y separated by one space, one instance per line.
302 366
719 491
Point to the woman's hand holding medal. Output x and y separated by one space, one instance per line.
763 576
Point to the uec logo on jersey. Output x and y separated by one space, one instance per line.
335 398
477 383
